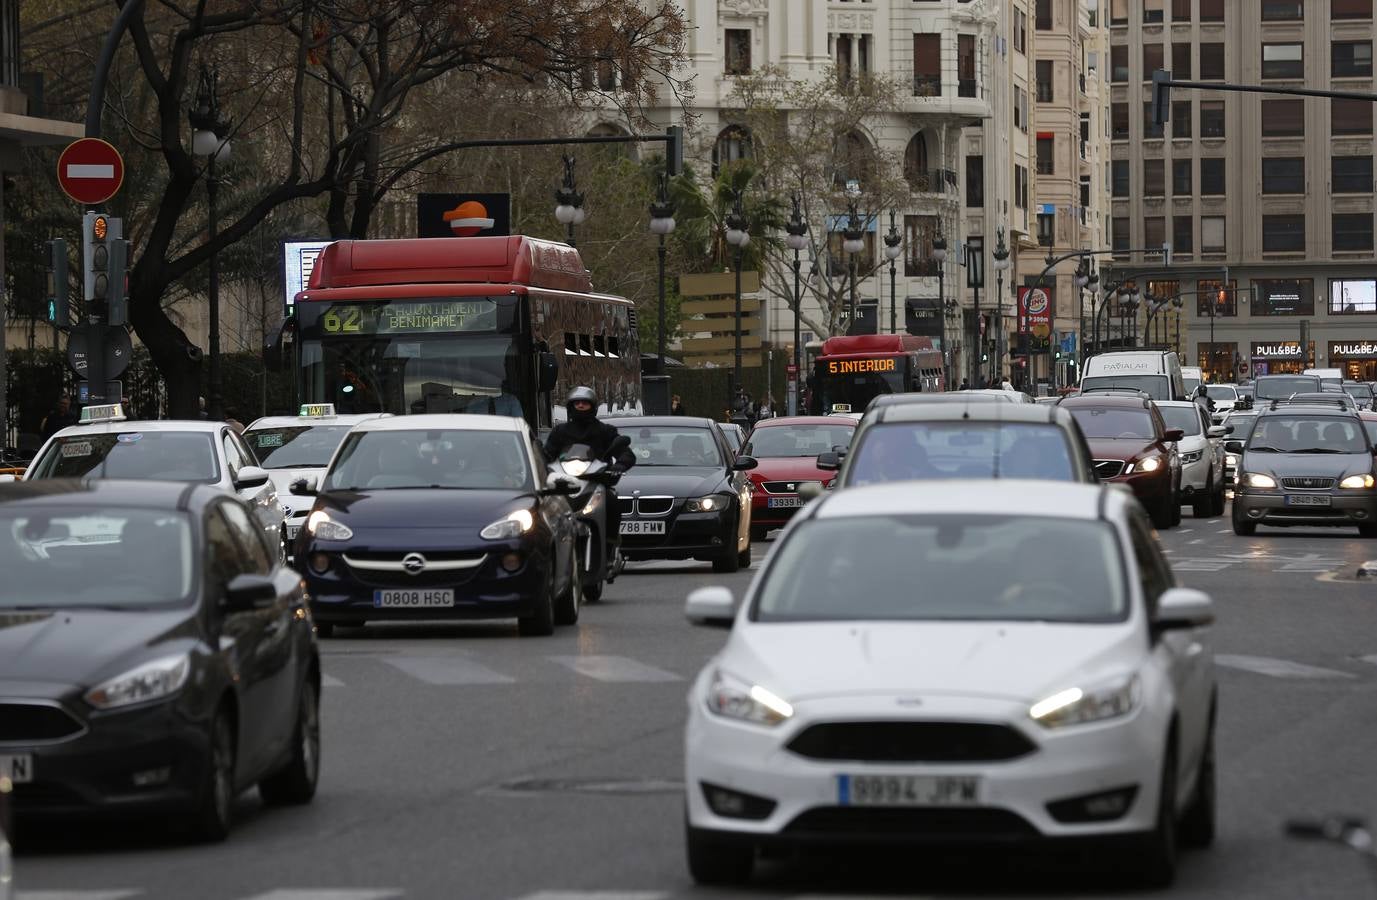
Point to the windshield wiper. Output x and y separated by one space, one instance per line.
1265 450
1319 450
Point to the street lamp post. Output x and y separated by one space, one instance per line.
569 210
893 249
737 237
796 241
853 242
1001 263
210 138
975 279
1081 280
939 256
661 223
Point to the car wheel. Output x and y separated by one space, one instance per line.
541 621
1154 860
729 559
1243 527
1162 513
1217 503
1203 503
717 862
1176 508
743 559
325 629
592 593
214 812
1197 825
295 783
568 606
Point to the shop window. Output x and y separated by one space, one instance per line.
1350 296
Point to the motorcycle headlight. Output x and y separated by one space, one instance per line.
594 503
575 467
322 527
732 698
153 680
711 503
514 524
1357 481
1078 706
1258 480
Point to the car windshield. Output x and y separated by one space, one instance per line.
1190 382
1243 427
953 568
733 436
296 446
1157 386
964 449
1361 391
1308 434
431 458
1114 422
1184 417
673 445
1277 387
60 557
1371 428
157 455
1222 393
799 440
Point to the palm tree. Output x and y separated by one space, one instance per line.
702 214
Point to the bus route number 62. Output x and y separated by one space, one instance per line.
339 319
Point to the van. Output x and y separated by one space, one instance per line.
1158 372
1327 376
1192 377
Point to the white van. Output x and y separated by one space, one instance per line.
1192 377
1327 376
1156 371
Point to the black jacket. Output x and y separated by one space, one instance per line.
597 435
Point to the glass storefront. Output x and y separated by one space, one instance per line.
1280 358
1217 360
1358 359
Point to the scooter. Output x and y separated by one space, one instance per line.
602 559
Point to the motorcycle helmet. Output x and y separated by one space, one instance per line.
582 393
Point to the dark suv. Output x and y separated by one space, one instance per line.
1306 465
1132 445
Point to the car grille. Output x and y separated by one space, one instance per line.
784 487
434 575
34 723
1309 483
912 742
1109 468
626 505
906 822
654 506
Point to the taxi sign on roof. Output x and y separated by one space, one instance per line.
109 412
317 410
841 407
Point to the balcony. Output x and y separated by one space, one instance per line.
933 181
927 85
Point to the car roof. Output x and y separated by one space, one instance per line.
976 412
457 421
1058 499
643 421
780 421
295 421
109 491
1098 398
1185 403
1300 409
936 397
147 426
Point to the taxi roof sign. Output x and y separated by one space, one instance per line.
841 407
109 412
317 410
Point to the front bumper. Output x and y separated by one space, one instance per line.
1148 487
1013 804
687 535
1346 507
774 516
1195 476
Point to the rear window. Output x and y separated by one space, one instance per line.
1114 422
1184 417
799 440
925 450
1275 387
148 455
1157 386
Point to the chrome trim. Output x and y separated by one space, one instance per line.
379 565
82 728
797 484
658 515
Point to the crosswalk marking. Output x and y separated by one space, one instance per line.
77 895
447 670
615 668
329 894
1277 668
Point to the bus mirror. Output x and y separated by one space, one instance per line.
549 372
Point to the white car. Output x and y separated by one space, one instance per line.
1201 449
1225 399
106 445
299 447
961 661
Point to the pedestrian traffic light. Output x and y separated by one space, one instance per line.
1161 96
59 310
95 234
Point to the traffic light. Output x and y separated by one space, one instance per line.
117 302
95 235
59 310
1161 96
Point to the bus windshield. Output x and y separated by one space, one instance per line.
852 390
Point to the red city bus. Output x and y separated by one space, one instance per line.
853 370
499 325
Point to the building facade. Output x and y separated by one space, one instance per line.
1266 199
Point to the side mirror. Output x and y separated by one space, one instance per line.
548 372
743 462
251 477
810 490
304 487
710 606
829 461
248 592
560 485
1233 446
1181 608
1172 435
1217 431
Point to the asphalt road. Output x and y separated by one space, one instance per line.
464 762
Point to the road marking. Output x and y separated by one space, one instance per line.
1184 530
1277 668
447 670
1224 531
1198 541
615 668
330 681
596 895
1370 658
329 894
76 895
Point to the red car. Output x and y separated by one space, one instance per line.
1132 445
787 452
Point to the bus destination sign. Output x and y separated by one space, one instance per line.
857 366
409 317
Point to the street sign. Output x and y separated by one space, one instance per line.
118 348
90 171
114 392
791 369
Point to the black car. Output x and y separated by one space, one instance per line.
687 497
440 517
154 655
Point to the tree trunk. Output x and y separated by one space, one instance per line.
168 347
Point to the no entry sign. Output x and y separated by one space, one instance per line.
90 171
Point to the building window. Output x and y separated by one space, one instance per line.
1350 117
1042 15
1352 231
1118 12
1020 186
1212 177
1021 109
1351 174
1282 10
1350 59
1212 234
1020 31
1212 10
1085 134
1119 178
1212 118
1212 62
1152 12
1085 197
1044 80
1284 297
1180 60
1183 234
1181 178
1150 128
738 51
1283 234
733 144
916 171
1349 296
1121 239
1283 175
1152 60
1350 9
1154 178
1118 121
918 234
965 65
1154 231
1046 154
975 181
1047 229
839 260
1207 294
1118 63
1181 116
1283 118
1283 60
927 65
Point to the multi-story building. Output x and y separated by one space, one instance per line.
1267 198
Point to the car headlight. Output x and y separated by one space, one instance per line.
1078 706
594 503
575 467
1151 464
711 503
1258 480
732 698
1357 481
1192 456
514 524
320 526
153 680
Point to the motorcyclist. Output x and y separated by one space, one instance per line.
583 427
